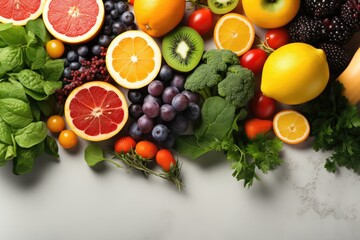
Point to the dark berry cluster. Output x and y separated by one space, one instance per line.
328 24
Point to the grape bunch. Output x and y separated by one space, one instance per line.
86 62
163 108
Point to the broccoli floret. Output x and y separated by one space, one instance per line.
220 59
238 87
202 80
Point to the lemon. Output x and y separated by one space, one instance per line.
295 73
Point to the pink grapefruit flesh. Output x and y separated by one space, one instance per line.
19 12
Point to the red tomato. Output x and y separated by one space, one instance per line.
131 2
262 106
277 37
254 60
201 20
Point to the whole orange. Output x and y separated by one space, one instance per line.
158 17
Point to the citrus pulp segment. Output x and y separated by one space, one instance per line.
291 126
96 110
19 12
234 32
133 59
73 21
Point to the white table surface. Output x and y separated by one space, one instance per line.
66 200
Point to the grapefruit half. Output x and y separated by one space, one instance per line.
19 12
96 111
73 21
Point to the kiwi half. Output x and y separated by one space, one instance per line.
182 48
222 6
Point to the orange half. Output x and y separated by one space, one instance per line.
291 126
235 32
133 59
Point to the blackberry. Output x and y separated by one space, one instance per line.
337 57
306 29
350 14
321 8
337 30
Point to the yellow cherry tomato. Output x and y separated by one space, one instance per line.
55 48
68 139
55 123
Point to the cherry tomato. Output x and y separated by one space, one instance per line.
254 60
262 106
55 48
201 20
68 139
55 123
277 37
131 2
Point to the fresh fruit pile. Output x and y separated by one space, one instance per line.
158 90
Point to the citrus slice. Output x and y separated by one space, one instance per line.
133 59
96 111
291 126
235 32
73 21
19 12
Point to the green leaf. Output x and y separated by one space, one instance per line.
15 112
30 135
38 28
36 95
11 58
5 132
94 155
36 57
51 147
31 39
3 148
188 146
13 36
53 69
30 79
25 158
12 89
50 87
47 106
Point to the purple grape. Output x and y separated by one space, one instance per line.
179 125
180 102
152 98
167 112
134 131
145 124
169 142
155 88
166 73
151 108
159 132
169 93
193 97
135 111
178 81
193 112
135 96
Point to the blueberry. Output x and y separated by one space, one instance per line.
67 62
104 40
67 72
83 50
72 56
75 65
109 5
135 111
166 73
118 27
114 14
96 50
131 27
106 29
135 96
108 20
193 112
127 18
160 132
121 7
135 131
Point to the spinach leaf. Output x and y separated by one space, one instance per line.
188 145
50 87
31 134
25 158
36 95
15 112
12 89
30 79
31 39
47 106
53 69
13 36
3 148
5 132
94 154
35 57
51 146
11 58
37 26
217 118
